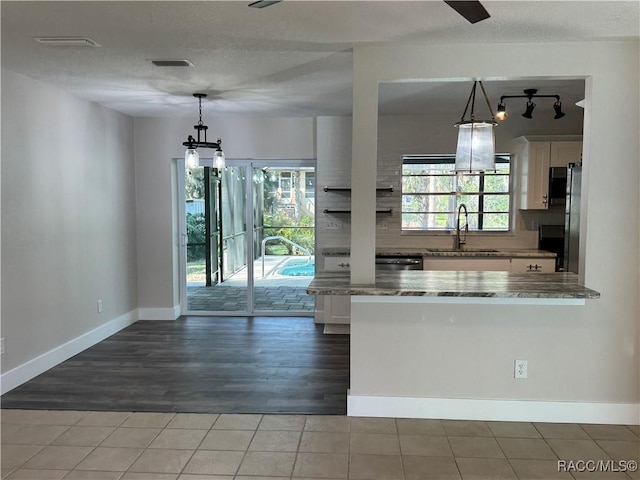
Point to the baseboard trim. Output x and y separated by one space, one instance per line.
495 410
336 328
159 313
28 370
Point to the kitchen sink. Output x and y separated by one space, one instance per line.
470 250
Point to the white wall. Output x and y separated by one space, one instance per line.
157 142
68 218
334 169
611 324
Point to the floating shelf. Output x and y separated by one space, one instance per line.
388 211
348 189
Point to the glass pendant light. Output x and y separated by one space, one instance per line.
218 158
476 147
475 151
191 158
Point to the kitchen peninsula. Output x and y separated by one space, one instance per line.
442 344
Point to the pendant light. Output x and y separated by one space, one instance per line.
476 140
191 156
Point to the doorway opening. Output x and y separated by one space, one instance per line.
248 237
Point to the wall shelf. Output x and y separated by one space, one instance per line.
387 211
348 189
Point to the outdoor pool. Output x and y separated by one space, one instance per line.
297 268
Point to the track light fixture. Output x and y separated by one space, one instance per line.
530 94
557 107
529 109
501 113
475 151
191 156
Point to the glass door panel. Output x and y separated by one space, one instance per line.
284 238
250 231
217 277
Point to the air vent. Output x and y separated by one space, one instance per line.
67 41
172 63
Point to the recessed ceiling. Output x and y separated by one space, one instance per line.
290 59
450 98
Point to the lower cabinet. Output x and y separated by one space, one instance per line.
336 314
540 265
487 264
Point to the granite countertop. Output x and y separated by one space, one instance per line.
455 284
448 252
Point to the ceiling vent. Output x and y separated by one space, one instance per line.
67 41
172 63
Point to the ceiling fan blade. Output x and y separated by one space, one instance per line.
472 10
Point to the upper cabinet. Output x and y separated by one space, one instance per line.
534 157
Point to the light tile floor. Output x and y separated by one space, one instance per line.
42 444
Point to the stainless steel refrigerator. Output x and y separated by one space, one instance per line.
572 218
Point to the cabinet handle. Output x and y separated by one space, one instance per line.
535 267
544 199
344 265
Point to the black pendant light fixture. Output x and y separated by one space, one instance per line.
191 156
530 94
475 150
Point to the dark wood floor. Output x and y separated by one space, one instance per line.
201 364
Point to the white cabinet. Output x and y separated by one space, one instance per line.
534 157
467 264
336 308
339 263
534 164
539 265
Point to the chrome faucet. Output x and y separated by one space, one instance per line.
458 243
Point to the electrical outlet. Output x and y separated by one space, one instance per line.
100 308
520 369
383 226
2 346
334 225
534 225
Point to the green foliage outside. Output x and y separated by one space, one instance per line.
196 234
431 196
277 223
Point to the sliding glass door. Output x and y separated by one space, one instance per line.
248 237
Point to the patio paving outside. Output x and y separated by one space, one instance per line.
274 292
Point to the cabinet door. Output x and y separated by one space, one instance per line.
564 153
537 181
539 265
337 309
337 264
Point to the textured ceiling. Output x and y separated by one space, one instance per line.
291 59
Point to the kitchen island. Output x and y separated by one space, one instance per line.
436 344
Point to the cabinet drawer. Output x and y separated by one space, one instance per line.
337 264
540 265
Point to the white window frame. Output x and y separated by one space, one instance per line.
455 196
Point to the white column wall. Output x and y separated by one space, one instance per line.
611 324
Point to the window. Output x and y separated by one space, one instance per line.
309 184
432 192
